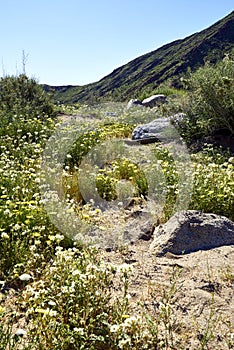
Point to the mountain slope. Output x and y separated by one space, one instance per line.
149 70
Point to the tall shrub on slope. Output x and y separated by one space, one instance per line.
211 104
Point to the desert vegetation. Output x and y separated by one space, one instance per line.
57 293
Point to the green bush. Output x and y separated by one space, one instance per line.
210 108
213 183
121 169
20 95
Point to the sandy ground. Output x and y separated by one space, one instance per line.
201 285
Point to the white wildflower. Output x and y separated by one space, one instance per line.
114 328
17 227
4 235
79 330
20 332
25 277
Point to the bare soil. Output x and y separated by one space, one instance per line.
198 288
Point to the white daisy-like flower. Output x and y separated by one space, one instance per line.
25 277
20 332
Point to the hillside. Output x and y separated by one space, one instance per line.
146 72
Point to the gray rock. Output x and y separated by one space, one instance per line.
190 231
133 103
140 228
154 100
155 129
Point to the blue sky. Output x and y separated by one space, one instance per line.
78 42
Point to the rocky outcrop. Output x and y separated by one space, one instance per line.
190 231
155 129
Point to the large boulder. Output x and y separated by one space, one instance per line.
154 100
153 130
190 231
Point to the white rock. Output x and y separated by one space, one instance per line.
134 103
154 100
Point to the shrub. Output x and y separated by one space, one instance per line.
20 95
210 108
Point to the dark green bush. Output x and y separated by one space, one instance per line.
20 95
210 108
